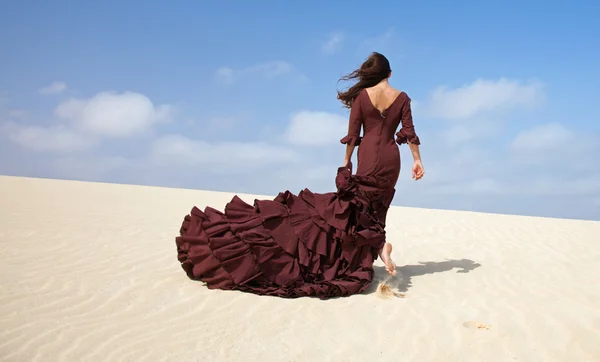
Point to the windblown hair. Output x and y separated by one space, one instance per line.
375 69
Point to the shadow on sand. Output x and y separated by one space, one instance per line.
403 278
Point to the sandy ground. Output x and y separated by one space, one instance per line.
89 273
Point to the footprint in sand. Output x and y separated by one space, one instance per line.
386 291
476 325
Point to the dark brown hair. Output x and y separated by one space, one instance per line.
372 71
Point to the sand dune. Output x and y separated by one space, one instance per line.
89 273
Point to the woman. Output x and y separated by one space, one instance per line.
314 244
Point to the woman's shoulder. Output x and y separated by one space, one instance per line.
393 91
396 90
402 94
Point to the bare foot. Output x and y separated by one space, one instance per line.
386 257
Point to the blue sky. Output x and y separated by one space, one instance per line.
240 96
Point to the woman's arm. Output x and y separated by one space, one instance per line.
354 126
348 155
408 135
414 149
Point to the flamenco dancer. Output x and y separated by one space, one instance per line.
313 244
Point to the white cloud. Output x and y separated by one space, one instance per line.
483 96
582 185
333 43
270 69
479 186
17 113
4 98
308 128
379 43
547 170
4 104
93 167
220 156
113 114
225 75
58 139
54 88
107 114
460 133
546 137
221 123
560 149
547 163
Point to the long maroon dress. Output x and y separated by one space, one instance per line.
311 244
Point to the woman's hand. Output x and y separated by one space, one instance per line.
417 170
347 164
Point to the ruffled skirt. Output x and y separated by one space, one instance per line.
312 244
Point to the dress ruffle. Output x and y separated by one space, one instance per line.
351 140
407 135
311 244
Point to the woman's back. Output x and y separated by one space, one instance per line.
380 112
382 96
381 107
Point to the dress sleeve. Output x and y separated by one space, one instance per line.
407 132
354 124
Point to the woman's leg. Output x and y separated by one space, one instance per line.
386 257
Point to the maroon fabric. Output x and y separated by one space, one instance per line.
308 244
